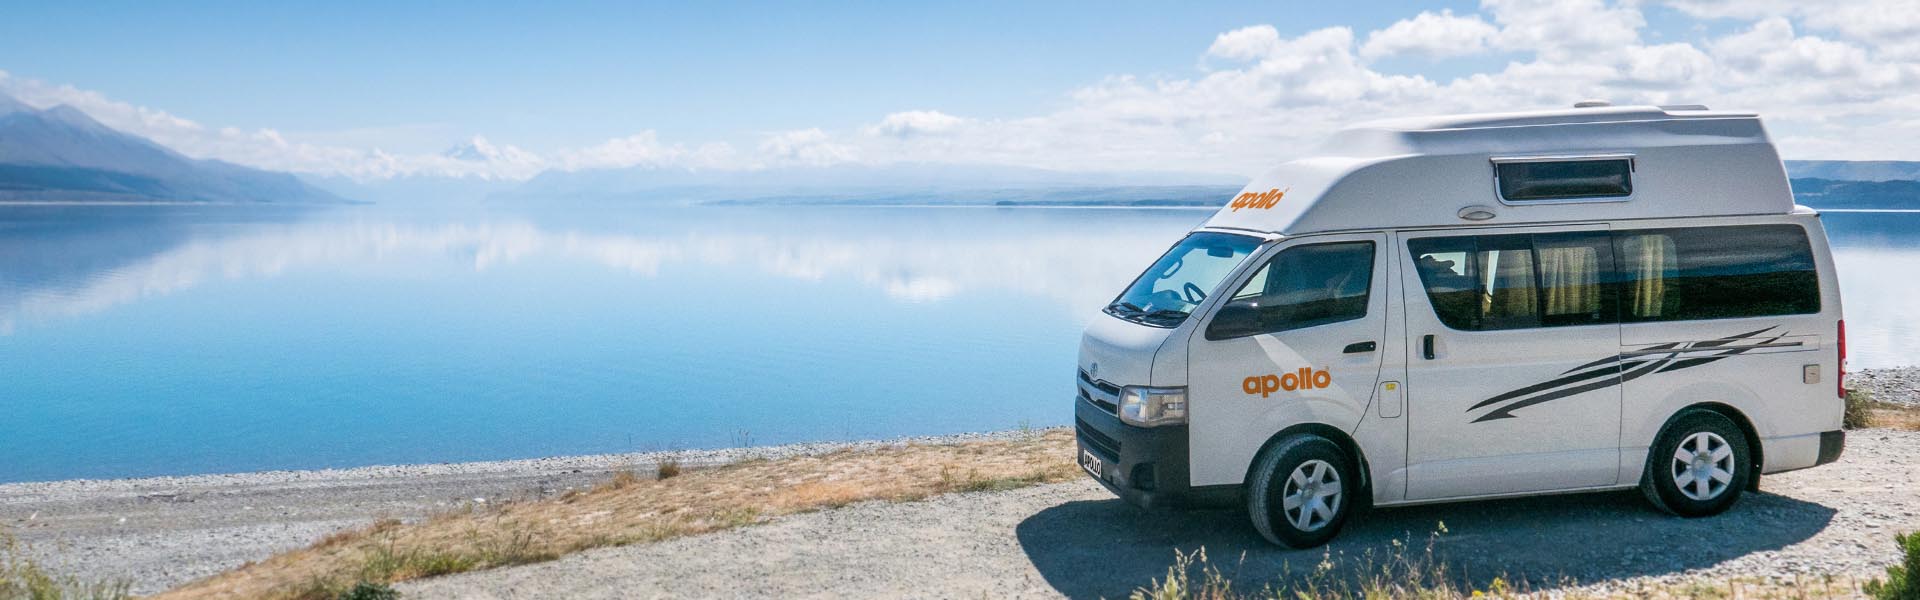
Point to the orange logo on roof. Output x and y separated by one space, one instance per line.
1262 200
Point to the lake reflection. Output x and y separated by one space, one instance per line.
145 340
163 340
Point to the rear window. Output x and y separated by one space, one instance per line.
1536 181
1493 282
1716 273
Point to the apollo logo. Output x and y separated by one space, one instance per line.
1304 379
1263 200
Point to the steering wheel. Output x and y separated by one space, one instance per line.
1193 293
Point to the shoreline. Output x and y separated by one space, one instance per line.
1894 385
160 532
27 491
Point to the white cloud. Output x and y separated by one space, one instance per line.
1431 35
1834 81
1564 30
805 147
1892 27
1266 96
645 149
916 122
1246 43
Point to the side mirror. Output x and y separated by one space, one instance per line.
1236 319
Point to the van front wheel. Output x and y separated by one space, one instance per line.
1301 492
1698 466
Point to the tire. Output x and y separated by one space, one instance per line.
1302 466
1715 472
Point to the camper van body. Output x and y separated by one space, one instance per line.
1473 307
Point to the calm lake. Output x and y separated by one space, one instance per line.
160 340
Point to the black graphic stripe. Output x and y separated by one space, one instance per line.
1619 369
1609 371
1636 369
1695 362
1616 358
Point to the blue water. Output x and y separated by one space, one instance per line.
156 340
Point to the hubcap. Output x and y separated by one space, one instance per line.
1312 495
1703 466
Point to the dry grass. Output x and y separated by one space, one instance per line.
1864 411
1405 574
1859 411
628 510
1894 416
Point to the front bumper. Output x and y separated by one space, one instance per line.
1146 466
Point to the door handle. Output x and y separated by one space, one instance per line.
1358 347
1426 346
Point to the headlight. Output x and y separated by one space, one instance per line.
1153 407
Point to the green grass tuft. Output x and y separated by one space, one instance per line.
370 591
1859 414
1903 580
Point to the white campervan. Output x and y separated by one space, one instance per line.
1478 306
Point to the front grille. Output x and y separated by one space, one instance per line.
1110 389
1103 404
1100 393
1092 438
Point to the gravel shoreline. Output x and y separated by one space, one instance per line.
159 532
1899 385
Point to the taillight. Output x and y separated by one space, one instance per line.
1841 381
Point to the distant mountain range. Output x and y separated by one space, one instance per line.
899 183
1855 170
1845 184
1828 193
60 154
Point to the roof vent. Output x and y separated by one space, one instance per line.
1592 104
1674 107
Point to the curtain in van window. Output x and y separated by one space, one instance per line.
1570 277
1650 262
1511 295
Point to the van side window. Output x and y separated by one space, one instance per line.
1305 286
1717 273
1484 283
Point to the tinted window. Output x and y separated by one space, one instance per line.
1305 286
1717 273
1480 283
1565 180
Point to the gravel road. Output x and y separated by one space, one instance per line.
1074 540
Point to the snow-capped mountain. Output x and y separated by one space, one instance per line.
469 171
59 154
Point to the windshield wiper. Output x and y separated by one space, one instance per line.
1127 306
1165 313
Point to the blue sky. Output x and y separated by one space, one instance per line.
548 76
733 82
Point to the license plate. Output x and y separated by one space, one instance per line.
1092 464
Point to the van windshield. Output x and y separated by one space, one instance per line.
1183 277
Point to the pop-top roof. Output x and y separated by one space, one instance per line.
1435 171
